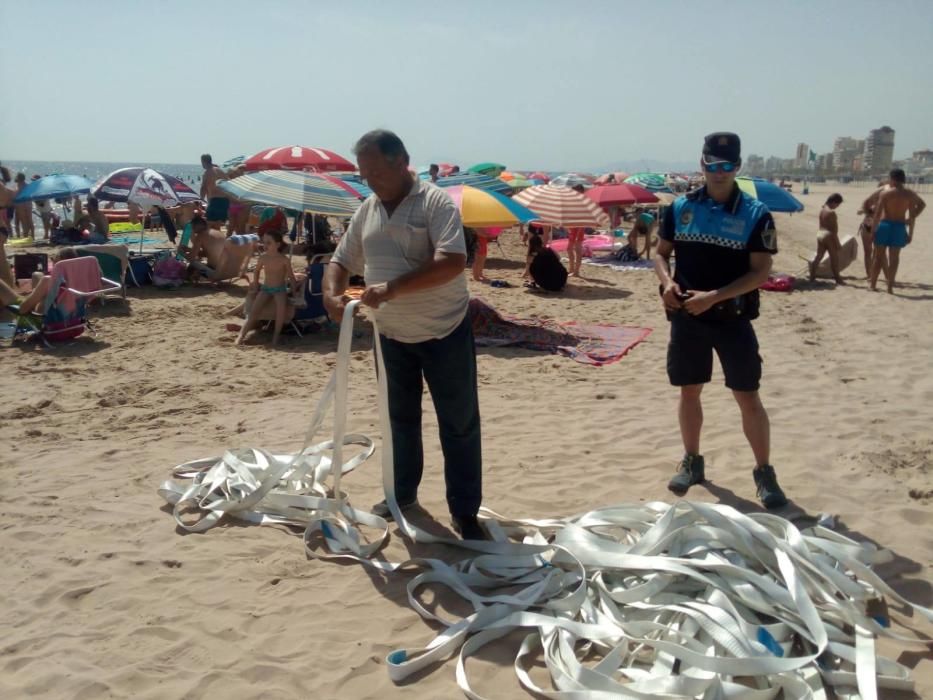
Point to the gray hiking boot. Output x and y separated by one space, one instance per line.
769 493
690 472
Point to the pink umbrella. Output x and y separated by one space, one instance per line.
298 158
544 177
620 195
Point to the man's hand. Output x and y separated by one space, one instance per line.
672 297
335 305
699 302
376 295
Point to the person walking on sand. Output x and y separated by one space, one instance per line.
218 202
407 241
275 269
827 240
723 241
895 215
865 231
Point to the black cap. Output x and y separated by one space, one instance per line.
722 145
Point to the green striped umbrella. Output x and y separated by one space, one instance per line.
491 169
653 182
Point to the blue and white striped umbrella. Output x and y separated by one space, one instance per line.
480 182
572 180
296 189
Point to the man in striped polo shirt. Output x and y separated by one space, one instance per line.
407 241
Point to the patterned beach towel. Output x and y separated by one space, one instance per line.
618 265
589 344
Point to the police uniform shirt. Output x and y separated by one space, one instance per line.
713 242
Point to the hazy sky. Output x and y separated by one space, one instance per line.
532 84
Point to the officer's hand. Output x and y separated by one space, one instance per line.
699 302
672 297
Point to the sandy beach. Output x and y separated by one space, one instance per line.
103 597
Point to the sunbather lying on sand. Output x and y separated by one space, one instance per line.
227 258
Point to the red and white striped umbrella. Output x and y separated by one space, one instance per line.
298 158
562 206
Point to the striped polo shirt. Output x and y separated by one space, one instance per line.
382 248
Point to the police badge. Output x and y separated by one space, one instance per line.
686 217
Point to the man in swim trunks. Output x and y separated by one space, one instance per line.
895 205
827 240
218 203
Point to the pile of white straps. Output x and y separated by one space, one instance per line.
633 601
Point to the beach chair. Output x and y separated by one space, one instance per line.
313 311
111 269
64 312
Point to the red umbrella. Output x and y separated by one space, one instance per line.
540 176
620 195
298 158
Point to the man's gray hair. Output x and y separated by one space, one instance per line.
387 142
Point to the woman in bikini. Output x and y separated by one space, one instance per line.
276 270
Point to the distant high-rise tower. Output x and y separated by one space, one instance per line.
879 150
802 157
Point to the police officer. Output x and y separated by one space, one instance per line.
723 241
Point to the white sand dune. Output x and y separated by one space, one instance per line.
103 598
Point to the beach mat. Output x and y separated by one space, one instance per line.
134 240
589 344
610 261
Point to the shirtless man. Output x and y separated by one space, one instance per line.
225 259
896 204
218 203
827 241
25 228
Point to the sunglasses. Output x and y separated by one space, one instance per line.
722 166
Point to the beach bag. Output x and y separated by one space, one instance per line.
140 271
169 272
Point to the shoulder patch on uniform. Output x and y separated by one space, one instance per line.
769 237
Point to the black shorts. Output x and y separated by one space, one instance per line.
690 352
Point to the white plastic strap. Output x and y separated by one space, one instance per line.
671 600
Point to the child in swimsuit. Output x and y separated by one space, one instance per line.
277 278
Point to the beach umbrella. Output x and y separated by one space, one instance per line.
562 206
234 162
480 182
620 195
298 158
650 181
482 209
774 197
299 190
145 187
544 177
608 178
355 181
520 183
572 180
54 187
493 169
